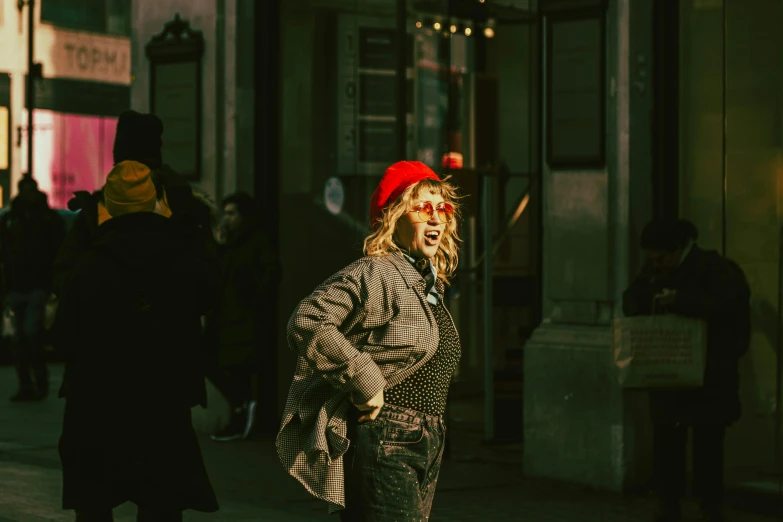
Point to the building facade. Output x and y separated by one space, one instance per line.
226 134
84 52
693 108
603 113
305 102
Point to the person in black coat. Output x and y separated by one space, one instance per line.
130 327
681 278
30 235
139 137
248 266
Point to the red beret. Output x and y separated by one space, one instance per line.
397 178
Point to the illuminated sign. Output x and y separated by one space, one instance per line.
83 56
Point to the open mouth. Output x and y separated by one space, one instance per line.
432 236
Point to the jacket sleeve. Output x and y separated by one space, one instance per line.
314 331
726 291
638 297
199 263
74 244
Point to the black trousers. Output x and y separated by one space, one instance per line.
235 383
670 452
28 343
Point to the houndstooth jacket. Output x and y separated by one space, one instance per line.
366 328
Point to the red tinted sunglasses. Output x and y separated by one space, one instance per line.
425 211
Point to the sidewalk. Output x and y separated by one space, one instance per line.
478 482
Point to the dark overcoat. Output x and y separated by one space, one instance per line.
715 289
129 327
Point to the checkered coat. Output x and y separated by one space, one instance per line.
366 328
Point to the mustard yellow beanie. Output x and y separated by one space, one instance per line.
129 188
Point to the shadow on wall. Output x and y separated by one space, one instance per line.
765 320
314 244
753 435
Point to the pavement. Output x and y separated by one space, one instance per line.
478 482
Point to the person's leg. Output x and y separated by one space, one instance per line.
249 405
95 515
17 303
708 445
235 383
232 383
152 515
392 474
431 479
670 454
351 513
33 331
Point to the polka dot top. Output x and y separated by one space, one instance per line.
426 390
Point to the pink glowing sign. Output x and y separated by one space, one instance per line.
71 152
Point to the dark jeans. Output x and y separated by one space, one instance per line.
671 447
27 344
106 515
392 465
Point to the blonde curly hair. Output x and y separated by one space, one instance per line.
381 242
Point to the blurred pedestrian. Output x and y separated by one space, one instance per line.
681 278
30 235
131 327
139 138
247 267
363 426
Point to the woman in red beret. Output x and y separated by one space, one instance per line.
363 425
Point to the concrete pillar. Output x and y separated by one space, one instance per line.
580 426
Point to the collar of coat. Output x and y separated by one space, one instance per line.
413 277
409 273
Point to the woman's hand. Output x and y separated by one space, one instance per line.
372 407
666 297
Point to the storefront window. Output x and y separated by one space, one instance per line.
72 152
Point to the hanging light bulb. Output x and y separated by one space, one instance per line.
489 30
453 29
437 26
418 25
468 31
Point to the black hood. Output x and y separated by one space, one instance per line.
138 239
